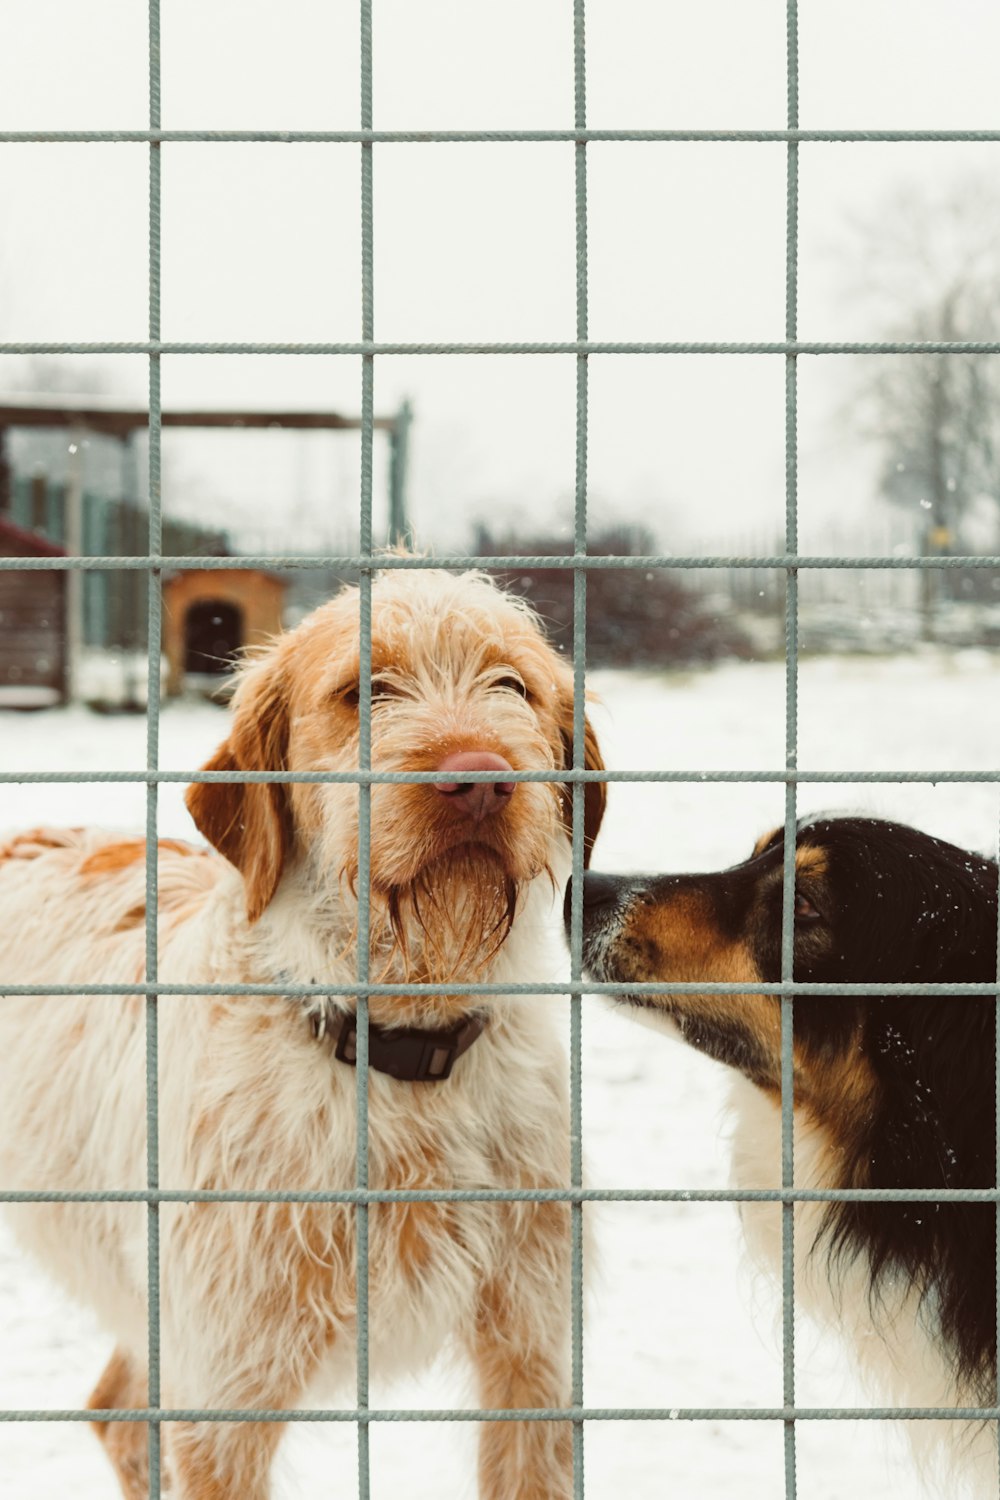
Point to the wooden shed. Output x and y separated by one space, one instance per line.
210 614
32 624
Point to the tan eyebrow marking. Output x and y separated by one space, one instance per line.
811 860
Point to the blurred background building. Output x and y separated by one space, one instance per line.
69 485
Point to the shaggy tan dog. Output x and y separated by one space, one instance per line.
258 1300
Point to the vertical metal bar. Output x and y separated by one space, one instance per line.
364 737
75 584
124 637
399 441
791 757
579 695
152 756
996 1139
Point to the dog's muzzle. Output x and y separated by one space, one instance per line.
606 901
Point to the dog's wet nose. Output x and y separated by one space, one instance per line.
475 799
601 895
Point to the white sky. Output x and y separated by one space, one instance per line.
477 241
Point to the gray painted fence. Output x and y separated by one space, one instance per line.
788 348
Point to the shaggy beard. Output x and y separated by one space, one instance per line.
453 919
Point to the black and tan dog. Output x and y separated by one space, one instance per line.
890 1091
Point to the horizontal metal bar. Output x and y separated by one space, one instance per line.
504 1195
553 777
522 1414
568 347
583 136
567 987
121 422
556 562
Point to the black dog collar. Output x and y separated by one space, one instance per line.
409 1053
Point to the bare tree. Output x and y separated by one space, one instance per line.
930 267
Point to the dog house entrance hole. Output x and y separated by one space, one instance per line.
213 634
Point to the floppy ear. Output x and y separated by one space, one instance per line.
250 824
595 793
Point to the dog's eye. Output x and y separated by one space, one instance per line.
513 684
804 909
351 697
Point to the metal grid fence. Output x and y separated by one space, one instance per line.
368 349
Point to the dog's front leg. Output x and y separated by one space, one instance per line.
209 1460
223 1460
521 1353
124 1385
253 1299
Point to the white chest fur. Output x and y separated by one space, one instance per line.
894 1340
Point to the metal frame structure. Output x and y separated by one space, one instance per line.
790 349
124 424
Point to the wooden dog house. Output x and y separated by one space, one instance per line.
210 615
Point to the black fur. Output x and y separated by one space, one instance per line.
892 905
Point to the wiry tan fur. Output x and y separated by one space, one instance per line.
258 1300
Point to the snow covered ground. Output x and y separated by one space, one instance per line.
674 1318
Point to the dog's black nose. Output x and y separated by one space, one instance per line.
598 891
